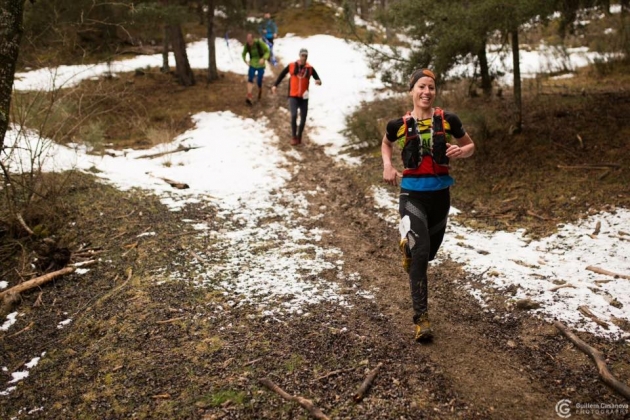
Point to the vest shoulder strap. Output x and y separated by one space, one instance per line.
259 48
296 69
438 121
410 129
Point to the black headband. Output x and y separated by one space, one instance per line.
418 74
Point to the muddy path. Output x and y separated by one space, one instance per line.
496 362
146 344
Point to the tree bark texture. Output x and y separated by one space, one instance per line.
484 70
165 44
212 53
11 12
182 66
517 80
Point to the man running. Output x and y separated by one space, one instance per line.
258 52
300 74
269 31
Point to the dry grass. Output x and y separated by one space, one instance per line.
129 110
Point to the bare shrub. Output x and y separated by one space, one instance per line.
365 127
60 116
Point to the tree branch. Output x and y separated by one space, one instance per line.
305 403
358 396
598 359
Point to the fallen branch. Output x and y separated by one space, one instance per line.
602 281
130 248
28 327
180 148
598 358
20 219
606 272
38 302
553 289
83 263
251 362
591 166
305 403
358 396
170 321
587 312
175 184
335 372
37 281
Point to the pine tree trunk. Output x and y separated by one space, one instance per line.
486 82
517 82
11 13
182 66
165 43
212 54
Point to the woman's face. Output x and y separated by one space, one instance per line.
423 92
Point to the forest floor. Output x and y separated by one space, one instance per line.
141 348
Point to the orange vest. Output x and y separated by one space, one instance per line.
298 83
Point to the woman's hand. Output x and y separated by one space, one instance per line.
453 151
389 172
463 149
390 175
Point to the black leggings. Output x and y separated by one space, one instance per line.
428 212
294 104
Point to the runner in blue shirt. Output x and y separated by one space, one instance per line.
269 31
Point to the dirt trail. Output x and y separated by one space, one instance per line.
487 360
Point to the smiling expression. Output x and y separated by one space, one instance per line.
423 92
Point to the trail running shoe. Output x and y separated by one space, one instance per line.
295 141
248 99
423 329
406 255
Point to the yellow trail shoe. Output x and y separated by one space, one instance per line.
423 329
406 255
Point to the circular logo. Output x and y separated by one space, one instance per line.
563 408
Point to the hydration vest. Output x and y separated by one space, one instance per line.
418 159
299 80
259 48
